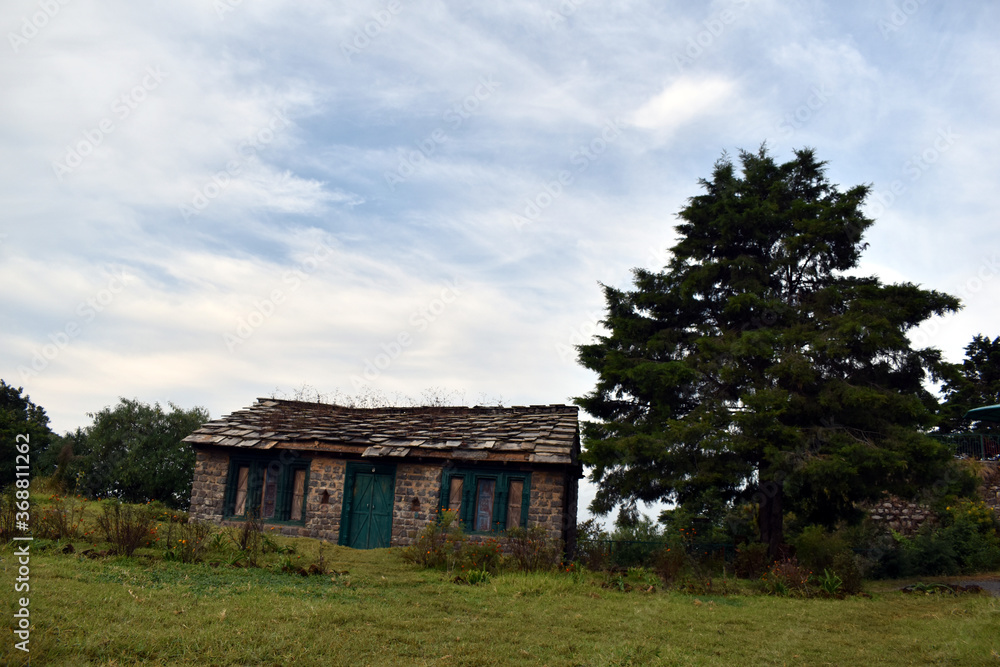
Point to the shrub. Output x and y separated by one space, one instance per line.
125 527
62 519
816 548
846 565
439 544
532 549
248 539
785 577
188 543
669 562
486 555
8 514
592 545
751 560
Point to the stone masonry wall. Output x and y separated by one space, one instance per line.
417 493
547 502
326 480
903 516
906 517
416 496
209 487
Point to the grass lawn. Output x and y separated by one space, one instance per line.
118 611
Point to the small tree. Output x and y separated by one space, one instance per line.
20 417
134 452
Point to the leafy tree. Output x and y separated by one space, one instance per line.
18 415
972 384
752 367
134 452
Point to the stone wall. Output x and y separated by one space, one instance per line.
209 487
548 502
903 516
906 517
417 493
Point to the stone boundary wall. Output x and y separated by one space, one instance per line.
906 516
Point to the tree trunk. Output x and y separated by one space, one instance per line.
770 518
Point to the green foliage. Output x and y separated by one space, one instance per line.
966 541
134 452
439 544
8 515
787 577
816 548
531 549
830 583
972 384
61 518
751 560
126 527
19 416
754 368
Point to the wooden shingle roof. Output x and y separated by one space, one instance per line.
537 433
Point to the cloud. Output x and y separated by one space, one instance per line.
685 100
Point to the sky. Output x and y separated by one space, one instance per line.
205 202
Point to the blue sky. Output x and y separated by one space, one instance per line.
206 202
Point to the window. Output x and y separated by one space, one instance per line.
272 489
487 500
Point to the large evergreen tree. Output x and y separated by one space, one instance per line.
752 367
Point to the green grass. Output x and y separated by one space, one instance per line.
118 611
378 610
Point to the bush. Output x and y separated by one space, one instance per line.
248 539
670 562
439 544
8 515
62 519
786 577
751 560
125 527
846 565
187 542
966 541
486 556
816 548
532 549
592 545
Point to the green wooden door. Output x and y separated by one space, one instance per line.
370 516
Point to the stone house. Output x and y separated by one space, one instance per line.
374 477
